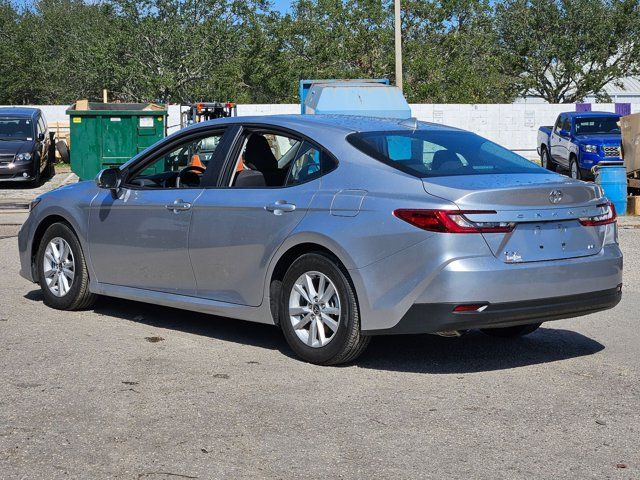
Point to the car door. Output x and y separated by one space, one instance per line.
42 142
236 229
563 141
555 141
139 238
47 152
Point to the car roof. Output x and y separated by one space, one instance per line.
19 111
345 123
591 114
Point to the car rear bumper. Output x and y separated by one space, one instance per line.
434 317
428 274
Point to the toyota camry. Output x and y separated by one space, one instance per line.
333 228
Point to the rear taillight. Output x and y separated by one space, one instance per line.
470 307
603 219
452 221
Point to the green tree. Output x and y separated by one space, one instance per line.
10 74
341 39
64 50
452 53
564 50
182 50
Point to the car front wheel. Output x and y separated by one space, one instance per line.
319 313
62 270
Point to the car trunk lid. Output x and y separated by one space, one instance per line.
545 209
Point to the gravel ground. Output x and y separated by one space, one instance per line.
18 194
135 391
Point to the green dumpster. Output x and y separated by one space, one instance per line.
108 134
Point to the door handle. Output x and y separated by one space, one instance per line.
178 206
280 207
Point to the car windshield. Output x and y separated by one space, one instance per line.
438 154
597 125
16 128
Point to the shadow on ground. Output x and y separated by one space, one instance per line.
474 352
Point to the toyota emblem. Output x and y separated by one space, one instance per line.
555 196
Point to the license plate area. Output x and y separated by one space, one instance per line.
534 242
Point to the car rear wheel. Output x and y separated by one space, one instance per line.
546 161
319 313
512 332
62 270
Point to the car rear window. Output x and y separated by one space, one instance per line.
437 154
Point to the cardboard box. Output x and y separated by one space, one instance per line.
633 205
630 126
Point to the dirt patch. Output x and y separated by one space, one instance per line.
154 339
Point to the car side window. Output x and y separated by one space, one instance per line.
558 125
278 160
306 166
567 124
181 167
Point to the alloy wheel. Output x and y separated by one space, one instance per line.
58 266
314 309
545 159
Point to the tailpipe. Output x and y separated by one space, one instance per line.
451 333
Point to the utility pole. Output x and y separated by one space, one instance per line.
398 43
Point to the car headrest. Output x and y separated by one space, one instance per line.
258 154
445 160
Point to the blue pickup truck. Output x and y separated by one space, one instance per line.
580 140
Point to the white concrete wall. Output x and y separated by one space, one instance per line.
513 125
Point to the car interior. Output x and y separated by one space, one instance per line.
266 160
181 168
272 160
593 126
16 129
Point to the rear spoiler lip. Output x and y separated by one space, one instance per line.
538 214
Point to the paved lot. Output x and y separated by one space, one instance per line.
15 195
133 391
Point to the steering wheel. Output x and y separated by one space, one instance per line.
189 176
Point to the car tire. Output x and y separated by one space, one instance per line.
512 332
574 169
545 160
37 175
326 313
62 270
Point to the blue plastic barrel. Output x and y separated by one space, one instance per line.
613 180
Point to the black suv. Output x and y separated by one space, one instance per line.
24 145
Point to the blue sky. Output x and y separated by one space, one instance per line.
281 5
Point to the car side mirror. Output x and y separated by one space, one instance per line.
563 133
109 179
41 137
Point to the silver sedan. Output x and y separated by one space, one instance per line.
335 229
